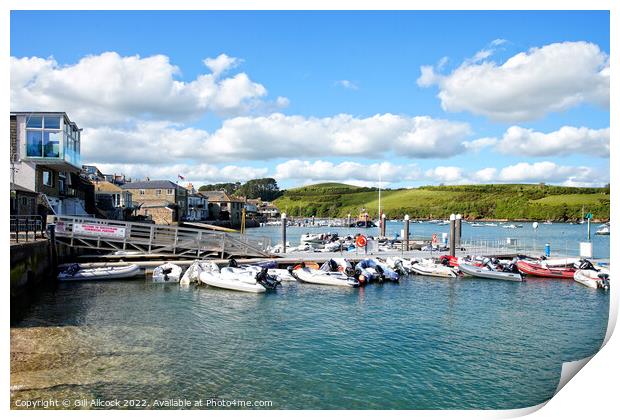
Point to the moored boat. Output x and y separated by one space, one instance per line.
428 267
239 279
76 273
167 273
192 274
593 278
487 273
310 275
545 271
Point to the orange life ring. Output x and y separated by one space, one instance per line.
361 241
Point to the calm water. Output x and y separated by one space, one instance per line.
422 344
563 238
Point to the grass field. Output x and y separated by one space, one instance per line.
515 201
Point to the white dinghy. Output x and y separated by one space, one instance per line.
239 279
591 275
313 276
427 267
192 274
167 273
75 273
487 273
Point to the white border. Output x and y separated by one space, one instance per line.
591 395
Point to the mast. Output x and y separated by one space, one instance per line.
380 219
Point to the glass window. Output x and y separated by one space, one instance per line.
170 192
34 122
34 143
157 192
141 192
48 178
51 144
52 123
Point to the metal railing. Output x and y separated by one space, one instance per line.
115 235
27 227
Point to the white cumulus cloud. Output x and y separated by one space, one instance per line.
565 141
112 89
527 86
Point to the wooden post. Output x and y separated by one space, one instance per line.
283 233
383 225
406 233
452 235
349 220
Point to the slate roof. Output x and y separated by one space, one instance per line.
148 185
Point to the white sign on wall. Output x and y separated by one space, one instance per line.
102 231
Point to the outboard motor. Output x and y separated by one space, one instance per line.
381 273
360 277
72 269
333 265
586 265
603 282
267 281
349 272
233 263
165 272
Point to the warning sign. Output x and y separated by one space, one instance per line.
101 231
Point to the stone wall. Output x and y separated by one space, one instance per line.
33 265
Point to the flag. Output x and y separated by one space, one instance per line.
181 177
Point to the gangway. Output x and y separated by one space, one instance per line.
146 238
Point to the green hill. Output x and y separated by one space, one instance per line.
501 201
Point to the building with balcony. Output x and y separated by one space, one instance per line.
164 202
45 153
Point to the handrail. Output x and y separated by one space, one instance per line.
26 223
157 238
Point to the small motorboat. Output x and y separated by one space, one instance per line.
192 274
592 276
167 273
603 230
477 225
428 267
239 279
375 270
545 271
487 272
76 273
310 275
311 238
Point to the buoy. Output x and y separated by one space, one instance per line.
361 241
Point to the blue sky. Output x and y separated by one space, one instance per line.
318 65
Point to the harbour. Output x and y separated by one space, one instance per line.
407 341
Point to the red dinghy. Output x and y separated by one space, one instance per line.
538 270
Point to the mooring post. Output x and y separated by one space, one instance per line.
406 233
452 234
349 220
588 229
283 233
383 225
458 229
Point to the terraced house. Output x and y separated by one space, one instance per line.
164 202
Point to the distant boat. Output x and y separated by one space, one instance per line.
491 224
477 225
509 226
548 222
603 230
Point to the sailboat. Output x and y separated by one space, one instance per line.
583 220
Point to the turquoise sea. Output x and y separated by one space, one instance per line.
425 343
